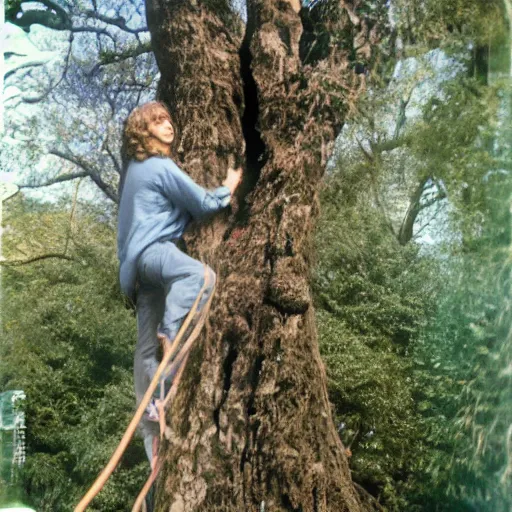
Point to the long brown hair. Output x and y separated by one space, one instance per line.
138 144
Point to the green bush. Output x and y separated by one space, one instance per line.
68 342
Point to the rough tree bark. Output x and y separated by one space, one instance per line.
251 428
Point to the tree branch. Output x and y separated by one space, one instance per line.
119 22
66 63
26 64
112 57
95 30
112 157
105 188
400 122
56 7
17 263
95 177
57 18
58 179
71 158
71 218
390 145
34 99
427 223
367 155
406 229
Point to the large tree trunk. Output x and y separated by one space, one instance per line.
251 428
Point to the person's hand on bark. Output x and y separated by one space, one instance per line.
233 179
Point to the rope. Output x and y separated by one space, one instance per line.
184 353
123 444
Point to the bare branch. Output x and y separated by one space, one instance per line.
27 64
17 263
118 22
66 63
34 99
57 18
104 187
106 147
70 158
59 179
428 221
95 30
95 177
69 233
369 501
371 160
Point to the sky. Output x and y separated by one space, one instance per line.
49 46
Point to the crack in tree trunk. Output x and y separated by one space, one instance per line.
255 158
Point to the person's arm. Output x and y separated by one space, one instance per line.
186 194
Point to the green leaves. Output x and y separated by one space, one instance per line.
417 342
372 298
68 342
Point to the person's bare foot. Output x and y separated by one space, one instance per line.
164 341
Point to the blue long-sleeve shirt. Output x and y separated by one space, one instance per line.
157 203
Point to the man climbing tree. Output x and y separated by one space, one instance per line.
172 291
158 201
251 426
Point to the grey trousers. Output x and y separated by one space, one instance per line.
169 283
